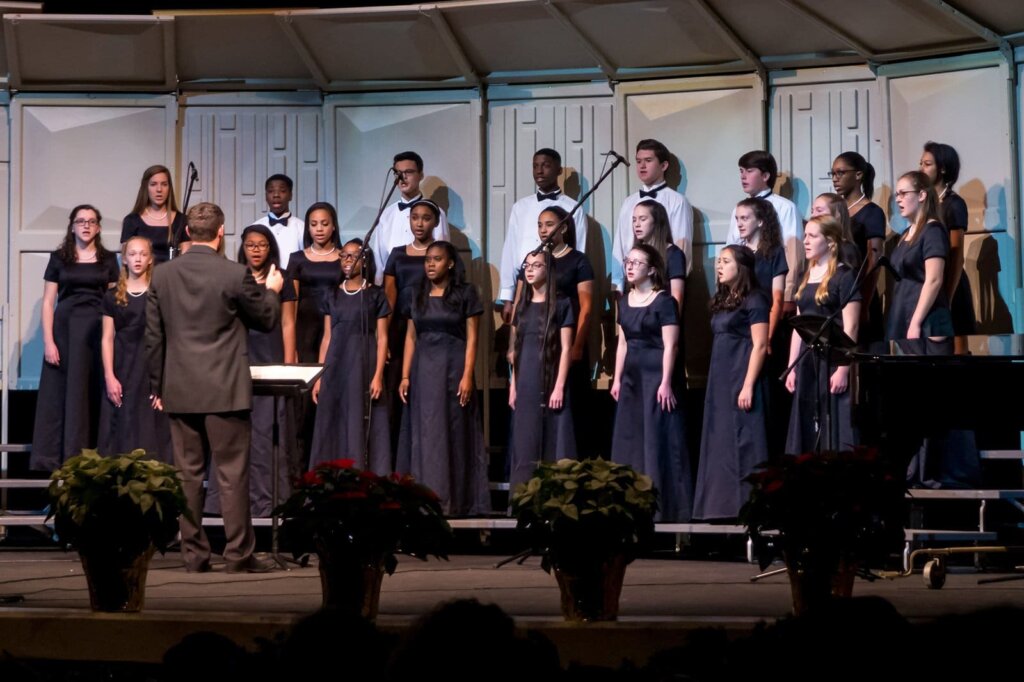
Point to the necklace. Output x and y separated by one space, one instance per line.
560 253
418 248
153 213
862 198
646 299
344 287
943 195
312 249
136 294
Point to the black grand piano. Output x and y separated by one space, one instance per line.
901 397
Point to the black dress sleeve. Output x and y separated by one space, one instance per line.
665 310
779 264
391 267
129 226
54 268
756 306
873 219
109 305
563 312
471 306
288 290
113 272
954 212
934 242
842 283
585 271
675 265
178 228
381 306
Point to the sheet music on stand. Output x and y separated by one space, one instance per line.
281 381
299 376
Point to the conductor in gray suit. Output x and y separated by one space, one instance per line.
199 310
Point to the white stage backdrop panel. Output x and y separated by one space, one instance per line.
368 132
72 150
813 124
236 148
968 110
707 130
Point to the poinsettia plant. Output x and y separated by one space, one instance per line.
828 508
119 505
580 511
337 505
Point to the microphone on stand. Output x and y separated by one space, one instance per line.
193 173
618 157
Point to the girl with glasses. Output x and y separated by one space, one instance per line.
353 352
650 430
70 384
542 327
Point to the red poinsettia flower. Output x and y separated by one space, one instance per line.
312 478
390 506
340 464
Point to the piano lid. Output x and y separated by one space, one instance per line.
982 348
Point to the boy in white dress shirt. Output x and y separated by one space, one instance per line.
288 230
521 237
394 229
758 172
652 158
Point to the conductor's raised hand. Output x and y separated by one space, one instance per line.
275 280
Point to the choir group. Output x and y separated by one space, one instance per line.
397 331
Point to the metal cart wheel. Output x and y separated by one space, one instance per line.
935 574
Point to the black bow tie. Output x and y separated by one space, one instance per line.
644 194
278 221
403 205
548 197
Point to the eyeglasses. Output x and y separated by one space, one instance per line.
82 222
250 246
530 267
900 193
631 263
348 256
840 172
406 173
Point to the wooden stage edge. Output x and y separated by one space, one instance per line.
664 600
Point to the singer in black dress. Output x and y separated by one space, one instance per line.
649 430
259 251
353 353
827 282
854 179
314 273
941 163
920 323
403 274
574 280
441 442
155 215
542 426
128 419
71 379
734 438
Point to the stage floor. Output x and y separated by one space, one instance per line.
662 600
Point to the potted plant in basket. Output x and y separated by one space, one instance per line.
356 522
588 520
116 511
834 514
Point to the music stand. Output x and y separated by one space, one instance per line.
824 336
281 381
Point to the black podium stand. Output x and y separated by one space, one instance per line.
281 381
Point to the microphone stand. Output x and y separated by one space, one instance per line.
361 258
815 343
193 176
548 244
